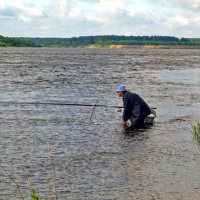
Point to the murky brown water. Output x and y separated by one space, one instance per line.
98 160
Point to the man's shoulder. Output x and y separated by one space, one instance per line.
129 94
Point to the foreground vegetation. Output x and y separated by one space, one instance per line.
99 41
196 133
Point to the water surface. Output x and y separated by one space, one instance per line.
96 160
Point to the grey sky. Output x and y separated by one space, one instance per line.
68 18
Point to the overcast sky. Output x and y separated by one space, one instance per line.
69 18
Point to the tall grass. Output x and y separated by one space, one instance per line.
196 133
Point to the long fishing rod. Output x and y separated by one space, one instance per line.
61 104
69 104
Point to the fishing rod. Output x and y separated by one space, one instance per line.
61 104
70 104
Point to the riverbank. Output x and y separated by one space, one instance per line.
143 46
104 41
112 47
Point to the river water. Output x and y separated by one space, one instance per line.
96 159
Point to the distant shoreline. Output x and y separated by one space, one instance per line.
113 47
104 41
143 47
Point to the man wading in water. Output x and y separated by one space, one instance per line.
135 108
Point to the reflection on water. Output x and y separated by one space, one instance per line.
96 160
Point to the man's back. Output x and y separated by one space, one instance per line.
134 107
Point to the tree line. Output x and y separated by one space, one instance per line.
15 42
103 40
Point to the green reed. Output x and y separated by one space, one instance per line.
34 196
196 132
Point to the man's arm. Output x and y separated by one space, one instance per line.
127 110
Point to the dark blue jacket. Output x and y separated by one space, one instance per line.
135 108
